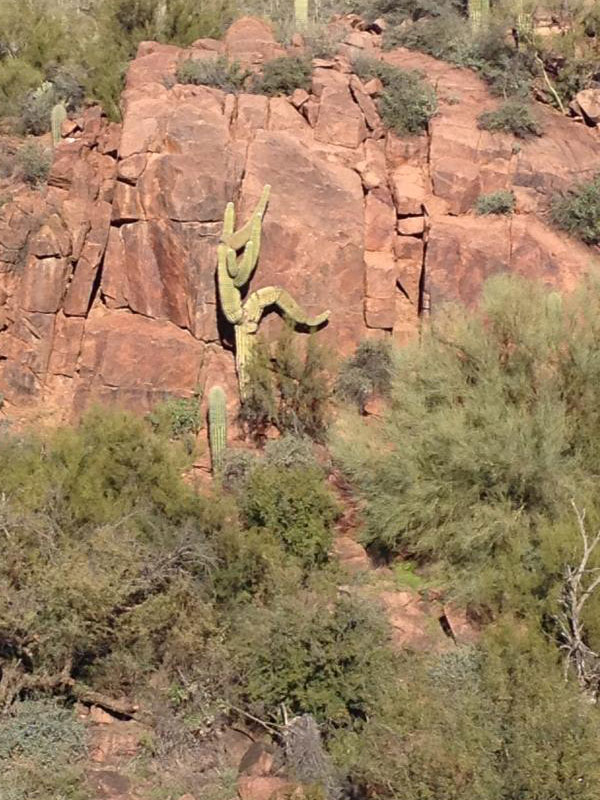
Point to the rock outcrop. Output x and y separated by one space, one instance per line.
107 286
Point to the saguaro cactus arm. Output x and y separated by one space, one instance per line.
231 301
236 240
57 117
283 300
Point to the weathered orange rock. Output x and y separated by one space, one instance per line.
340 120
409 189
380 218
264 788
251 41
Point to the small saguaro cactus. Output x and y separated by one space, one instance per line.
217 426
57 117
301 11
479 11
234 272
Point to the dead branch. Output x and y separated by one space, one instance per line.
579 585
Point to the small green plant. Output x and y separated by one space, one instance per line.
290 451
514 117
407 103
217 72
217 427
295 506
578 211
365 373
34 161
177 417
283 75
501 202
405 576
236 466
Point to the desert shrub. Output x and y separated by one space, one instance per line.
34 161
316 656
492 428
578 211
259 409
237 466
365 373
41 749
301 386
252 566
407 103
449 36
283 75
479 726
501 202
294 505
513 117
17 78
112 552
177 417
37 107
218 72
290 451
288 388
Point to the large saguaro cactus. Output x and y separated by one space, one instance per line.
301 11
234 272
479 12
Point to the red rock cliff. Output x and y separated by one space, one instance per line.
107 288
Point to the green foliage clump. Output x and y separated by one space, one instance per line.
501 202
578 211
290 451
177 417
283 75
236 467
217 72
407 103
288 388
42 745
492 429
513 117
34 162
476 723
317 656
295 506
365 373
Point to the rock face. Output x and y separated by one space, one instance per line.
107 284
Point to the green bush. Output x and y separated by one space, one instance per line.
218 72
290 451
177 417
295 506
34 161
513 117
578 211
42 745
289 389
501 202
407 102
237 466
328 659
365 373
476 723
283 75
492 428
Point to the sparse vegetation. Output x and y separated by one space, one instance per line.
501 202
578 211
283 75
217 72
407 103
514 117
367 372
34 161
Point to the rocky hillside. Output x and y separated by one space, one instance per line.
107 278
